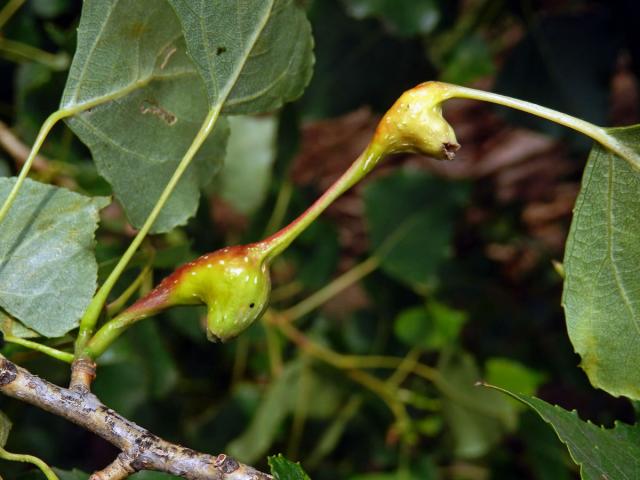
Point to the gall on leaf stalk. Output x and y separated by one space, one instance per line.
234 282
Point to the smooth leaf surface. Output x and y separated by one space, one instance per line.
601 453
601 294
283 469
47 267
254 55
245 178
410 217
131 59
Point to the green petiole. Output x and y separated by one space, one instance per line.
38 347
90 317
14 457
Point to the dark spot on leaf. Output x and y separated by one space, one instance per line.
221 50
251 305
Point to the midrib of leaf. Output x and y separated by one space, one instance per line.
244 58
92 49
123 92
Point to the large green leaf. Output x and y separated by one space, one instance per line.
132 61
601 453
47 268
410 217
601 294
254 55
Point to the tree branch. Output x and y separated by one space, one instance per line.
141 450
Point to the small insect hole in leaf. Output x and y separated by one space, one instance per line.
251 305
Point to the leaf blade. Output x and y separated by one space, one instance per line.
48 271
601 296
600 453
254 55
148 103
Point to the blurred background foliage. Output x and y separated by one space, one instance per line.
444 272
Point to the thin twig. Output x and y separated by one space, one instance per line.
141 450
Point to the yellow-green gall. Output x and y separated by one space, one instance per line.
415 124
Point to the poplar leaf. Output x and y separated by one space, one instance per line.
254 55
601 453
601 294
47 267
131 61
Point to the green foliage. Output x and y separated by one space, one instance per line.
149 107
253 56
601 285
477 418
278 402
600 452
513 376
48 269
432 327
10 326
412 238
470 60
72 475
283 469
